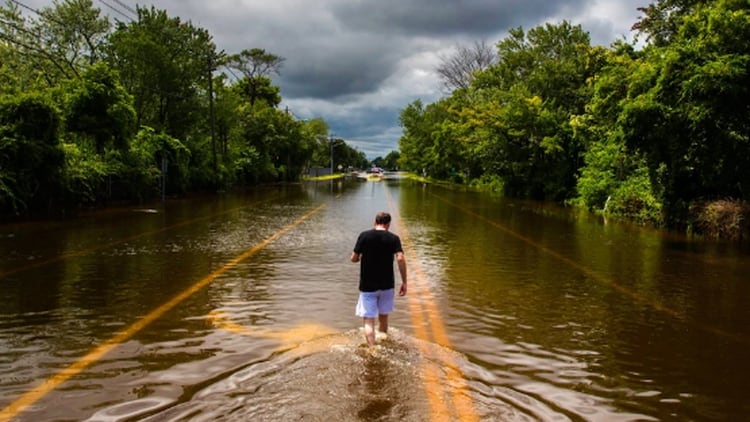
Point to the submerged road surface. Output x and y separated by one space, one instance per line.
241 307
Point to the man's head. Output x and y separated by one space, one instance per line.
383 218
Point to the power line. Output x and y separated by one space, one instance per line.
39 51
43 15
118 10
26 7
230 71
126 7
20 28
36 53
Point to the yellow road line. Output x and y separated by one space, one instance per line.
451 387
31 397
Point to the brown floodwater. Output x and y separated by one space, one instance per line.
241 307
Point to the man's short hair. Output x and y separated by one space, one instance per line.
382 218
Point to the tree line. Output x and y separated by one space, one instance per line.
93 112
654 134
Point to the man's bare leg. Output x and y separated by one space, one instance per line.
369 330
383 323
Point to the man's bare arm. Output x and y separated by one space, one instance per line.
401 262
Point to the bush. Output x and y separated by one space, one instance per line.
722 219
84 173
490 183
634 200
31 158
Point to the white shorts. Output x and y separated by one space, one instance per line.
372 304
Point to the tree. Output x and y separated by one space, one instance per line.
457 70
149 151
98 108
663 18
165 64
391 160
74 31
690 119
226 104
614 178
345 156
258 89
256 65
268 145
518 117
416 144
31 159
65 39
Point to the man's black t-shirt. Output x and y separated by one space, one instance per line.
377 248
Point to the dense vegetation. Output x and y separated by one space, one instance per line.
653 134
93 112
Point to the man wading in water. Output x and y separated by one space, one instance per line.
374 250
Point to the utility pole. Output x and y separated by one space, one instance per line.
331 142
211 112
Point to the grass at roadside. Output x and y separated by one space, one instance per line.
322 178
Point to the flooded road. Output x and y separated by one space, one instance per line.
241 307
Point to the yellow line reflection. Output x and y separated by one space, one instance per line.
291 337
451 387
97 353
596 276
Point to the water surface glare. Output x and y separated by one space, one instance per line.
517 311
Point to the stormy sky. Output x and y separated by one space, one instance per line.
357 63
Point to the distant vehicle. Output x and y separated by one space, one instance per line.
373 173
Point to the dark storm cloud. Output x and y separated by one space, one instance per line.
330 68
476 18
364 42
357 63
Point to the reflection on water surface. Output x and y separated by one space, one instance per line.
548 314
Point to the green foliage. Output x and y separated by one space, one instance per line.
13 70
149 151
662 19
599 177
157 73
513 123
31 158
277 139
165 64
691 123
73 32
249 167
99 108
633 199
391 160
489 183
259 89
66 38
430 145
608 164
636 134
84 173
256 65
